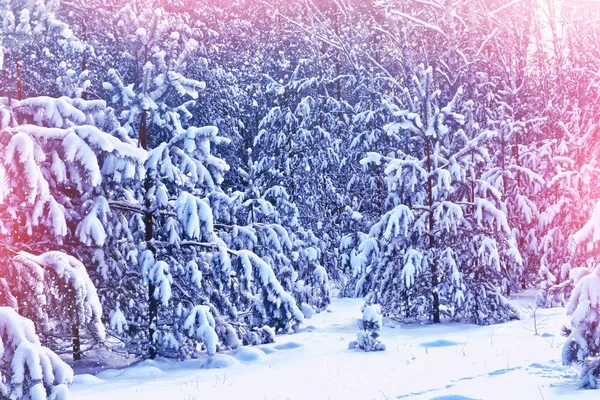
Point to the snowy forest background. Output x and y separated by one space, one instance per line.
179 177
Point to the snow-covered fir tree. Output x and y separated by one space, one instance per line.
369 326
268 225
53 161
34 41
437 250
569 196
240 287
193 279
582 346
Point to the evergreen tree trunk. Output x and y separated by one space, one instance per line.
76 343
84 95
136 80
502 155
517 155
152 302
19 82
8 82
434 272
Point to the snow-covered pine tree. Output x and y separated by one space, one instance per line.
240 288
148 112
438 245
53 161
296 147
34 41
365 188
582 345
492 80
268 225
305 117
197 288
29 370
511 176
552 293
569 196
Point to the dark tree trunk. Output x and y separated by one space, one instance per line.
84 95
152 302
76 344
8 81
434 272
19 82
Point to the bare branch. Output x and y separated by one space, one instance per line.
418 21
497 10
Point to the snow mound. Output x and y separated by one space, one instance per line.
310 328
220 361
307 311
142 372
248 354
86 379
109 374
288 346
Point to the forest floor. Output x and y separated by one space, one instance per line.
449 361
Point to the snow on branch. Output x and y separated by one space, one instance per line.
90 230
413 260
62 274
200 324
27 369
449 215
590 229
395 221
195 217
283 304
487 212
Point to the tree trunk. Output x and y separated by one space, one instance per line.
434 272
152 302
84 95
8 81
19 81
76 343
136 79
517 156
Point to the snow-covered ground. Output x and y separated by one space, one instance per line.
447 361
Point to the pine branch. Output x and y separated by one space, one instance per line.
138 209
4 247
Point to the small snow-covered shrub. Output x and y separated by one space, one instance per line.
553 294
370 324
543 298
27 369
583 341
